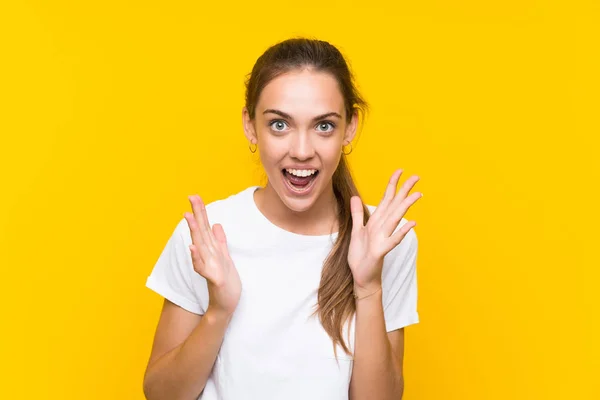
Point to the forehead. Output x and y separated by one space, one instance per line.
302 93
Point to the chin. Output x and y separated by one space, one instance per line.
297 205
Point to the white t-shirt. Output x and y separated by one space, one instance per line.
272 349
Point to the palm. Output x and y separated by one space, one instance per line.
224 284
363 253
371 242
211 259
218 268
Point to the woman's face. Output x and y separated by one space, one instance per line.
300 128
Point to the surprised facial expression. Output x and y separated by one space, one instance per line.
300 128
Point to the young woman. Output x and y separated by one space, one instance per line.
295 290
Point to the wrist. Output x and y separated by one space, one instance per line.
215 315
373 289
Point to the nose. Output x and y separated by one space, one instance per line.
301 146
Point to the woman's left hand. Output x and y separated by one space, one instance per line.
370 243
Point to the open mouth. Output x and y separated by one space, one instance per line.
299 184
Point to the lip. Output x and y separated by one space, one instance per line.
293 191
300 167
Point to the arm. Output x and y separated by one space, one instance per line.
183 354
187 340
378 355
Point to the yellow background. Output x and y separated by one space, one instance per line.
113 112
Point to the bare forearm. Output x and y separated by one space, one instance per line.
182 373
376 373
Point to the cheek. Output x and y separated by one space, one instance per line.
271 153
331 156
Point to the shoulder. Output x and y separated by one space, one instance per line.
234 213
229 207
220 211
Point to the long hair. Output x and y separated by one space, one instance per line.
335 296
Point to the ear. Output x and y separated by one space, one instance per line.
351 128
249 130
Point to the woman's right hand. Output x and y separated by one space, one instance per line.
211 259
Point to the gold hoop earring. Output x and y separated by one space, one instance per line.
250 147
343 152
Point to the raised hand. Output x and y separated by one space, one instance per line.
371 242
211 259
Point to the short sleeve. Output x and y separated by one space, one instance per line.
173 275
399 283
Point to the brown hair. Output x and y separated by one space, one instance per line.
335 297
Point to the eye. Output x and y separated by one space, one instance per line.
325 124
277 125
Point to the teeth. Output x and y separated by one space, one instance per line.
301 172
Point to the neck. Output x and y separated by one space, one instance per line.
319 219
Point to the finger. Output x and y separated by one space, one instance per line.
201 218
356 208
219 233
195 234
196 259
397 212
220 236
397 237
390 190
405 189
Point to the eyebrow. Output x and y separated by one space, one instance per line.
288 116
